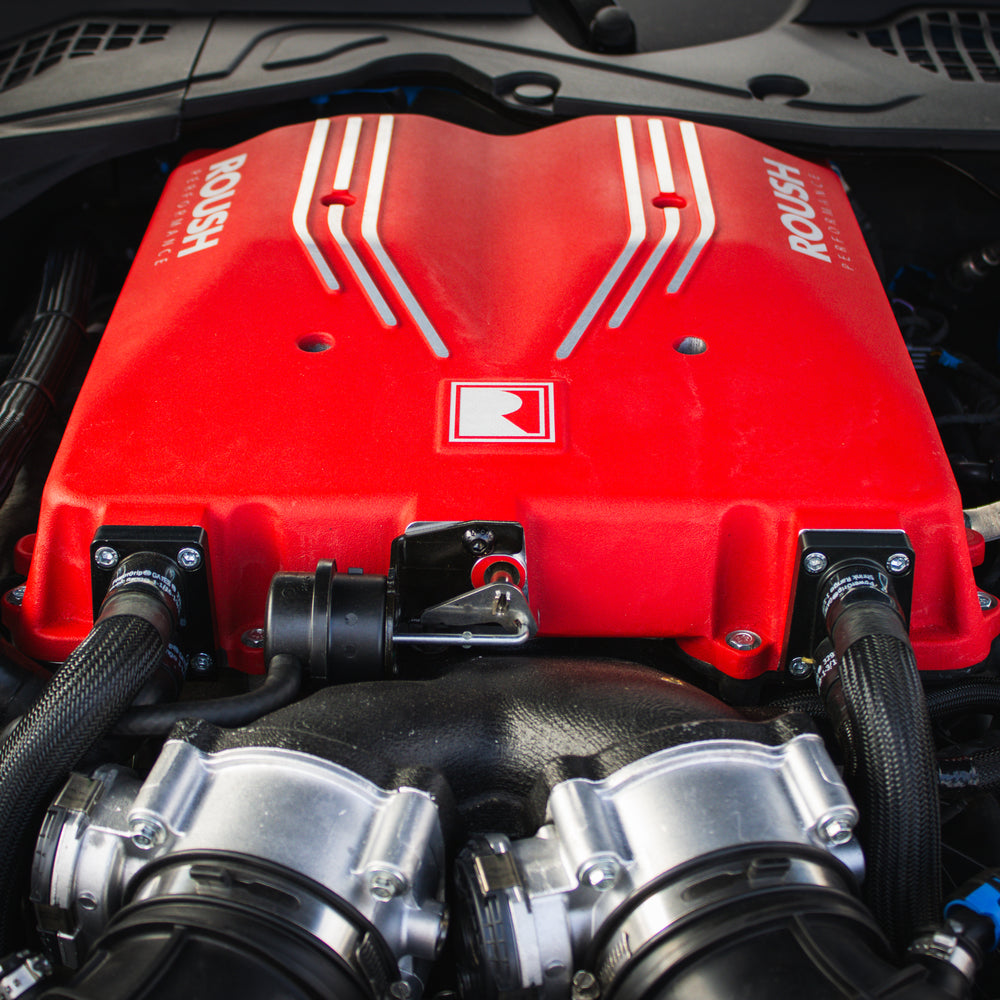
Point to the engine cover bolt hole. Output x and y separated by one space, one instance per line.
690 345
315 343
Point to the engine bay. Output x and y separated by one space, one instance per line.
448 559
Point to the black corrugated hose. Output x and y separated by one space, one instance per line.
46 355
891 760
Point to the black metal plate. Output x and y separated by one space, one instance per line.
197 628
806 625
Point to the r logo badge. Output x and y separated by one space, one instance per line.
502 411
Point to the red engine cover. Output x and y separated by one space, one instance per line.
338 328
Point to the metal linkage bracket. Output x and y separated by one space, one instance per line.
430 568
188 547
819 551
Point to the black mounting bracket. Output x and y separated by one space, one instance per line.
186 546
461 583
819 551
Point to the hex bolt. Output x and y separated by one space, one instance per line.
815 562
585 986
16 596
106 557
146 833
385 884
189 559
986 601
801 666
835 830
898 563
599 873
253 638
743 639
201 663
478 542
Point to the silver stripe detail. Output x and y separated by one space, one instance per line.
307 186
335 220
703 198
637 234
671 220
369 231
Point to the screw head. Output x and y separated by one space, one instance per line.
201 663
16 596
385 884
600 873
585 986
801 666
478 542
743 639
986 601
146 833
253 638
189 559
897 563
836 830
815 562
106 557
400 990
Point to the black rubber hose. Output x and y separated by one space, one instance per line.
83 699
979 695
281 685
59 327
893 769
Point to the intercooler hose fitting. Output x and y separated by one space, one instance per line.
889 748
82 701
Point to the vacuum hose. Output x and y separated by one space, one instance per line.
890 756
281 685
81 703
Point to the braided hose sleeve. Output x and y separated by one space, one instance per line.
81 703
894 780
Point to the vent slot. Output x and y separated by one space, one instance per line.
20 61
964 45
